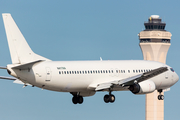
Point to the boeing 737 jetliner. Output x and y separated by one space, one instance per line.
83 78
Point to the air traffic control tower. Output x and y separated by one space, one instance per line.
154 43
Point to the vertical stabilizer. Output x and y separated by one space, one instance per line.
19 48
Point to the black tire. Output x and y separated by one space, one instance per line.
80 100
106 98
162 97
159 97
75 99
111 98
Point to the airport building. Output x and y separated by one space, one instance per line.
155 42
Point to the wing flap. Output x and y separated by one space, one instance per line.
101 87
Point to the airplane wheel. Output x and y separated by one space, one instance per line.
80 99
111 98
106 98
75 99
160 97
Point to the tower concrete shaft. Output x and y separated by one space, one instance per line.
154 43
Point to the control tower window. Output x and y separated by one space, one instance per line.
146 27
166 40
155 26
145 40
151 26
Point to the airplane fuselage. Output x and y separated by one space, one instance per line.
77 76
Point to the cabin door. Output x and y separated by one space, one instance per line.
48 74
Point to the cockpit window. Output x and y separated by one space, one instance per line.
172 69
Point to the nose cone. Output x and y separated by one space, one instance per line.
176 77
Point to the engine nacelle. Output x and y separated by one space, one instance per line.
144 87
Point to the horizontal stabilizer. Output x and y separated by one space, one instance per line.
27 65
3 67
7 78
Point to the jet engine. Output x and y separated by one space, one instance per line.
144 87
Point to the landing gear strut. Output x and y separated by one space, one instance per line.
160 97
109 98
77 98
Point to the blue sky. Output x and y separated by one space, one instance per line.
84 30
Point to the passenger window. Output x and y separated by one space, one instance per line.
77 72
59 72
128 71
72 72
64 72
116 71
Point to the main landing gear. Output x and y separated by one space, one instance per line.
109 98
77 98
160 97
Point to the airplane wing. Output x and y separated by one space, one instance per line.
131 80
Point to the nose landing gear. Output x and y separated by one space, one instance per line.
160 97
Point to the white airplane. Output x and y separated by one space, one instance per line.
83 78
